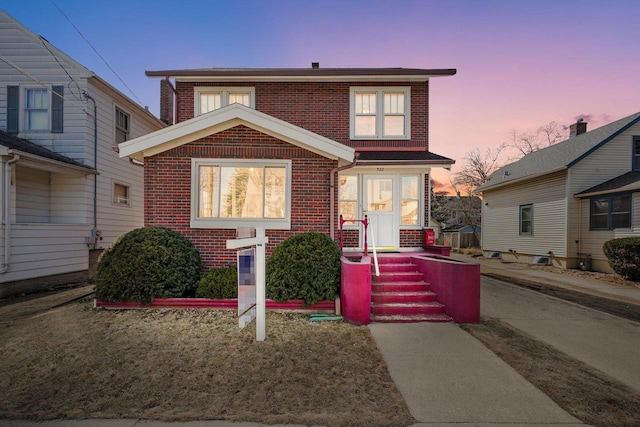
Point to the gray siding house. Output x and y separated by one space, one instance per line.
66 194
560 204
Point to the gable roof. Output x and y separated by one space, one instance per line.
11 144
559 156
304 74
629 181
227 118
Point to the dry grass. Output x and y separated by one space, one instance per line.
77 362
584 392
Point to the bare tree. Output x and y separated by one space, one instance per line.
478 168
544 136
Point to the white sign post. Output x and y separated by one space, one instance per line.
259 241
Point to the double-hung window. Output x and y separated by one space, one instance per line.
610 212
211 98
35 109
230 193
123 121
526 220
380 113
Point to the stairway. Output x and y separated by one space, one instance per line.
400 294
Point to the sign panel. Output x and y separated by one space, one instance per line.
246 286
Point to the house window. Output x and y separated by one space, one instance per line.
410 201
526 220
380 113
636 153
348 194
610 212
230 193
212 98
122 126
36 113
121 194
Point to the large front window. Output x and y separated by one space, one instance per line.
231 193
208 99
610 212
380 113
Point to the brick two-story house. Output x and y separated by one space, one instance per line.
290 150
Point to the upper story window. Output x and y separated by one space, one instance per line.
380 113
228 193
636 153
35 109
211 98
526 220
610 212
123 122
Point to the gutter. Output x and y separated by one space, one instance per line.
332 191
6 216
95 234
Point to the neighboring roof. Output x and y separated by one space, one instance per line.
408 157
227 118
559 156
14 145
304 74
84 71
629 181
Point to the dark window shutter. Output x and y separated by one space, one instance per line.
13 110
56 108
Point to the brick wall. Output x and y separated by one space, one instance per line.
320 107
168 189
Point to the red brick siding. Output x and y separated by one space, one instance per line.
320 107
168 189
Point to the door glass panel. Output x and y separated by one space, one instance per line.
380 195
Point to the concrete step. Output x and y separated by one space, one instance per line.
395 259
395 267
401 276
405 309
379 287
402 297
437 317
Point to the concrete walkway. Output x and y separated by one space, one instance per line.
448 377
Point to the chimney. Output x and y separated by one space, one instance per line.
315 65
166 101
577 128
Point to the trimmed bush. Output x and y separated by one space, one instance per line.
624 256
304 267
219 283
147 263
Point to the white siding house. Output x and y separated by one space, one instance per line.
563 202
66 194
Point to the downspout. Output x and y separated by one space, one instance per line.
94 231
7 212
334 171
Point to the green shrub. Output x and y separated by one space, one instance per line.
219 283
306 267
624 256
147 263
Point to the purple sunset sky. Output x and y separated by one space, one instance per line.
521 64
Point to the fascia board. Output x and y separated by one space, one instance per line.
275 78
226 118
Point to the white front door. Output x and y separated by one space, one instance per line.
379 205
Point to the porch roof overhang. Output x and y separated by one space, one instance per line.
402 157
36 157
627 182
226 118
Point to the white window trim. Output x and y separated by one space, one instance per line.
23 108
421 190
224 92
232 223
380 91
